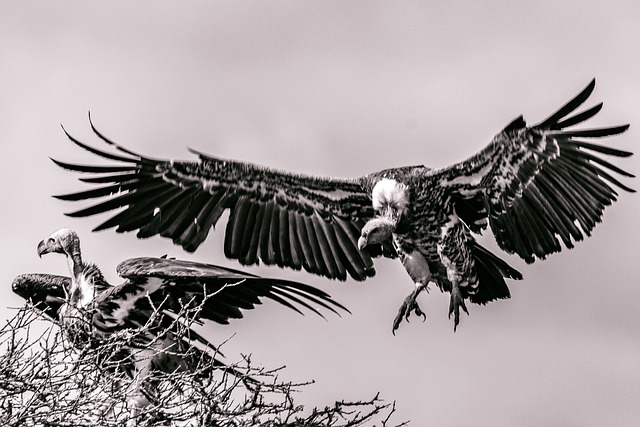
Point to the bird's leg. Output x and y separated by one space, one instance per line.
456 257
457 301
410 304
418 268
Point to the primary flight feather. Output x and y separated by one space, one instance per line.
538 188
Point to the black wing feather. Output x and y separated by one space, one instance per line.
534 184
279 218
231 289
45 291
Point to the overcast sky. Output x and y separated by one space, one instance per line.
344 88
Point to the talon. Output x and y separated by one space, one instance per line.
455 304
410 304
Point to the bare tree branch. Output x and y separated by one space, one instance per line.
47 380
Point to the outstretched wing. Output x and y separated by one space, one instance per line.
540 185
218 293
45 291
280 218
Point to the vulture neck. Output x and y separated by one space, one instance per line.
74 260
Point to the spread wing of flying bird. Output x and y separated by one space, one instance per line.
538 188
89 308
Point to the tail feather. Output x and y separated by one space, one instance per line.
491 272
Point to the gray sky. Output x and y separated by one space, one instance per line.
343 89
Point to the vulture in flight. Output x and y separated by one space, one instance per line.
155 292
538 188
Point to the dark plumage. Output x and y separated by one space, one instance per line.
538 188
45 291
154 293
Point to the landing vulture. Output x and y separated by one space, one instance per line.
539 188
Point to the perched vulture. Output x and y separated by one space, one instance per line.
156 291
538 188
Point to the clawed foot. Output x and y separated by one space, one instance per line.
409 305
454 306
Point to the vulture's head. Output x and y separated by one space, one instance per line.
376 231
63 241
390 199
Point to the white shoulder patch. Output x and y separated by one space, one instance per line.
125 305
389 192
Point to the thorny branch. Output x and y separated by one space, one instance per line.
45 381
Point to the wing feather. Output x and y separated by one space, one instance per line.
579 118
308 258
347 231
543 184
203 222
565 209
295 247
274 236
167 211
326 252
316 251
552 121
290 220
179 226
580 207
46 292
228 290
250 255
266 253
236 228
93 169
544 224
547 208
338 257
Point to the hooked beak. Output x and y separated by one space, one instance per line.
362 242
44 248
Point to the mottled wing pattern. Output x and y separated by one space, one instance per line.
172 285
540 185
45 291
115 309
280 218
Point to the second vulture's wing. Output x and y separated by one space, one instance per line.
281 218
540 185
218 293
45 291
